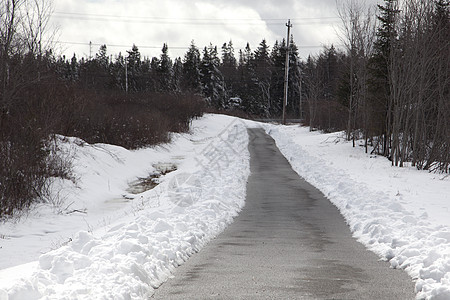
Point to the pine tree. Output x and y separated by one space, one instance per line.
73 68
294 79
99 68
147 76
117 71
379 64
101 57
228 59
134 58
228 68
211 78
247 88
165 71
177 74
263 72
191 69
278 57
134 69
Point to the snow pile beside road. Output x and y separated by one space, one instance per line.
136 253
399 213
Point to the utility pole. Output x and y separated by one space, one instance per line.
126 76
286 71
90 50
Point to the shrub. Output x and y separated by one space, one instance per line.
28 158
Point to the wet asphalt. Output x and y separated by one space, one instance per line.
289 242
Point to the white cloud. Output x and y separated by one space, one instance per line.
177 22
152 23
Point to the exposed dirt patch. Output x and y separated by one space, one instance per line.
152 180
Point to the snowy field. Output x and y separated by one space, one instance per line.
108 235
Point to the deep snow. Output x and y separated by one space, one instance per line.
401 214
128 244
104 239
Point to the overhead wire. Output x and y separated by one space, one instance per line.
186 21
193 21
154 47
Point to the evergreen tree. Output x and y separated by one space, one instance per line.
117 71
263 72
134 69
328 62
228 58
133 59
177 74
379 63
101 57
191 69
247 55
148 80
247 84
154 64
228 69
99 68
73 68
165 71
278 57
211 78
294 80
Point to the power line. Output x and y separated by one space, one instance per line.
159 47
191 21
117 45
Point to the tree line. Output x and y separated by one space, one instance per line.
40 104
389 86
251 81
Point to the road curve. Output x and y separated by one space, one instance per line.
289 242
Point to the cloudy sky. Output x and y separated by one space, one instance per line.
149 23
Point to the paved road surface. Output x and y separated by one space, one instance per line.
289 242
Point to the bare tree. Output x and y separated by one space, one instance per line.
10 19
26 110
37 33
24 30
418 66
314 87
409 78
358 34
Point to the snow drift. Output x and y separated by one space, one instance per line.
399 213
137 252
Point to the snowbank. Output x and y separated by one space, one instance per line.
113 241
146 235
399 213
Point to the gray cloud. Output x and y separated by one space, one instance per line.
176 22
